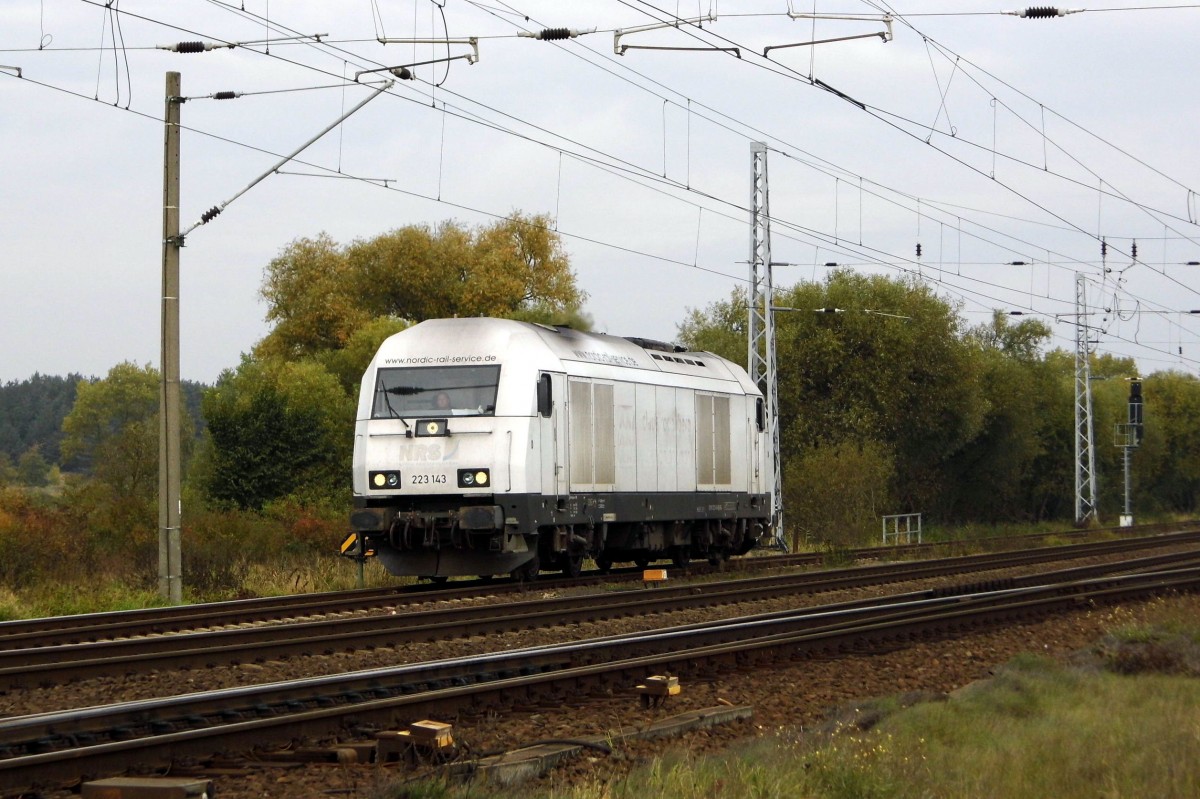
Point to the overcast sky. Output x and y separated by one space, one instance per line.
986 138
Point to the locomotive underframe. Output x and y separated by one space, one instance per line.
482 535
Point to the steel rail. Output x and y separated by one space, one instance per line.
80 628
39 730
557 665
57 664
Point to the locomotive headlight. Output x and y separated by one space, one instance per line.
431 427
382 480
474 478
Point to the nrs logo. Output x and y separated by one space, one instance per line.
421 453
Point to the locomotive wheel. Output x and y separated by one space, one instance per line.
641 561
604 565
439 579
717 558
681 557
528 571
572 565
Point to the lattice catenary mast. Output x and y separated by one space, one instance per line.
761 335
1085 457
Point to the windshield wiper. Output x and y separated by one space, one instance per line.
392 410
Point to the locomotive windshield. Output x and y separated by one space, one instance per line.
435 391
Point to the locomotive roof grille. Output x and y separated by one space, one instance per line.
674 359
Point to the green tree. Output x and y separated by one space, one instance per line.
349 363
835 494
992 479
721 328
32 413
1166 467
1020 342
32 468
8 473
310 291
278 429
113 428
1110 403
904 379
319 293
890 374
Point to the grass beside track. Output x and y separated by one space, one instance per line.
102 593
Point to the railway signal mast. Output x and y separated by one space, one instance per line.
1129 437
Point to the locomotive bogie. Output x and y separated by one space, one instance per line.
486 446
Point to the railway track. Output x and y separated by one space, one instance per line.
51 665
41 749
96 627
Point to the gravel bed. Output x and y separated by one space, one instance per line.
789 697
105 690
794 695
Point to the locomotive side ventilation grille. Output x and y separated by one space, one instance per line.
713 442
592 438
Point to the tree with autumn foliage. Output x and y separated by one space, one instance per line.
113 429
320 293
280 425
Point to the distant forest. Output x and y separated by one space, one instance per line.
32 413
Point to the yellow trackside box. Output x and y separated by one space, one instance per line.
660 685
434 734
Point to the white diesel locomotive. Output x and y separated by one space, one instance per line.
489 446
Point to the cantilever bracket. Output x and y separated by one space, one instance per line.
470 58
885 35
620 49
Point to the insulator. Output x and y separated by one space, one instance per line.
209 215
1133 251
831 263
1193 263
1040 12
1103 248
402 73
551 34
1017 263
224 95
918 250
190 47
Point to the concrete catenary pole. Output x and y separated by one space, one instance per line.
170 558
